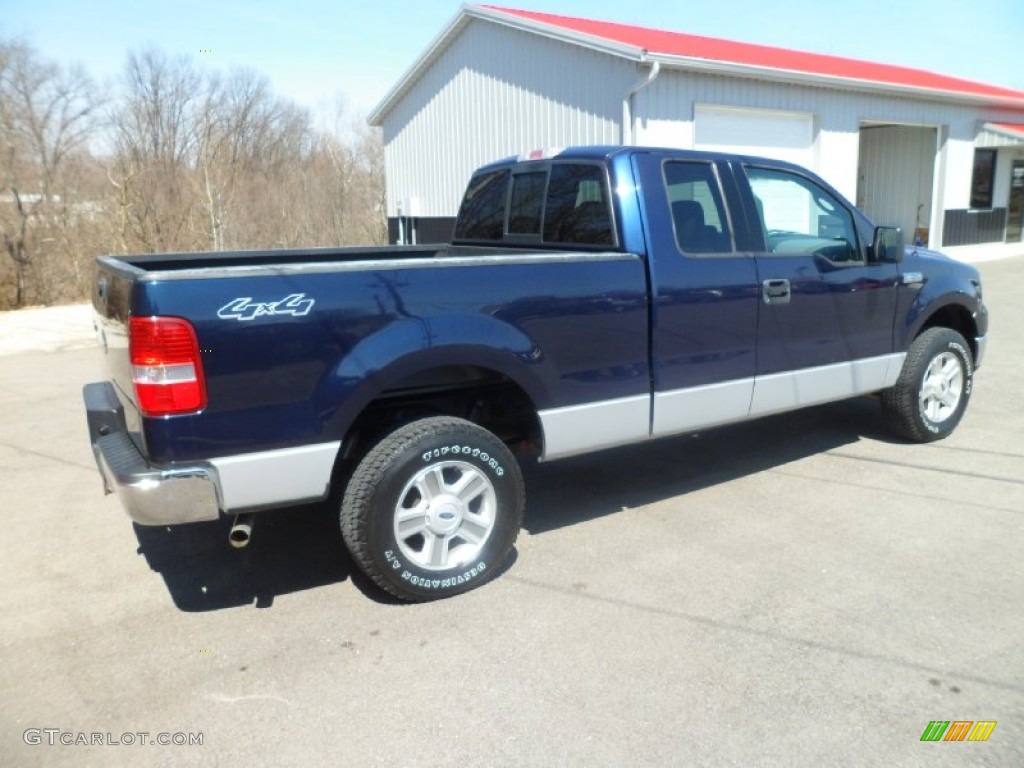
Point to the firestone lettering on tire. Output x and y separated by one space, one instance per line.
968 368
451 581
465 450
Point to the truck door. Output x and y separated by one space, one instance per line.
825 328
704 296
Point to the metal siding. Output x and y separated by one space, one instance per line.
995 140
497 92
896 168
665 111
974 227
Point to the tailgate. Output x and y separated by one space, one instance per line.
111 301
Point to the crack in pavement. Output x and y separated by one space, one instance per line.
941 470
864 486
977 450
813 645
58 459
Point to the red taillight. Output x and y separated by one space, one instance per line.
166 368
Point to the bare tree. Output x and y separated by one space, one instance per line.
370 187
46 114
154 141
195 161
247 137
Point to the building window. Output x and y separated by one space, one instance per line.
983 179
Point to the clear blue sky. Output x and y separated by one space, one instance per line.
313 50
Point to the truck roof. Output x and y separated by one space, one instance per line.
604 153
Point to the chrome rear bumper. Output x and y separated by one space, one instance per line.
150 495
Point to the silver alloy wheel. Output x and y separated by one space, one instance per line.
942 387
445 515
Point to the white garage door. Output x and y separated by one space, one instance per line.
779 135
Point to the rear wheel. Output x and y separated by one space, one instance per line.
933 389
433 509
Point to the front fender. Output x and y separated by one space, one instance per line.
944 285
924 309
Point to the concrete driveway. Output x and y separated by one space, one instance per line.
798 591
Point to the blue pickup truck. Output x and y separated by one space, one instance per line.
590 298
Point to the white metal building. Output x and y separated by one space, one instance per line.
939 156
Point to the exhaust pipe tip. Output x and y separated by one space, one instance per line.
241 531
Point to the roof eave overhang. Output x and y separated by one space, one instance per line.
1009 133
797 77
554 32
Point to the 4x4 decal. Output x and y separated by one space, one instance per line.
244 309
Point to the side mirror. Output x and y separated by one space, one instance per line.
888 245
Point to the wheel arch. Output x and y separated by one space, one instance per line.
485 393
496 391
952 314
411 355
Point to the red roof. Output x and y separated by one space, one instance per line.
660 42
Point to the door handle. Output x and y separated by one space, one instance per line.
775 291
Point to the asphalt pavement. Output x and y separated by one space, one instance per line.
799 591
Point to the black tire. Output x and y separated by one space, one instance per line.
911 408
412 479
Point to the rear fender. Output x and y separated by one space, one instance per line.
410 346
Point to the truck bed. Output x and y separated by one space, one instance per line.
142 264
294 343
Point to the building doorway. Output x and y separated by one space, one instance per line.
1015 208
895 175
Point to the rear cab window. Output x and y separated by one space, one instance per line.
554 203
527 203
578 209
482 213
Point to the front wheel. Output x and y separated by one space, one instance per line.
933 389
433 509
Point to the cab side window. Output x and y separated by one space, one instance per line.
695 203
800 218
482 214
